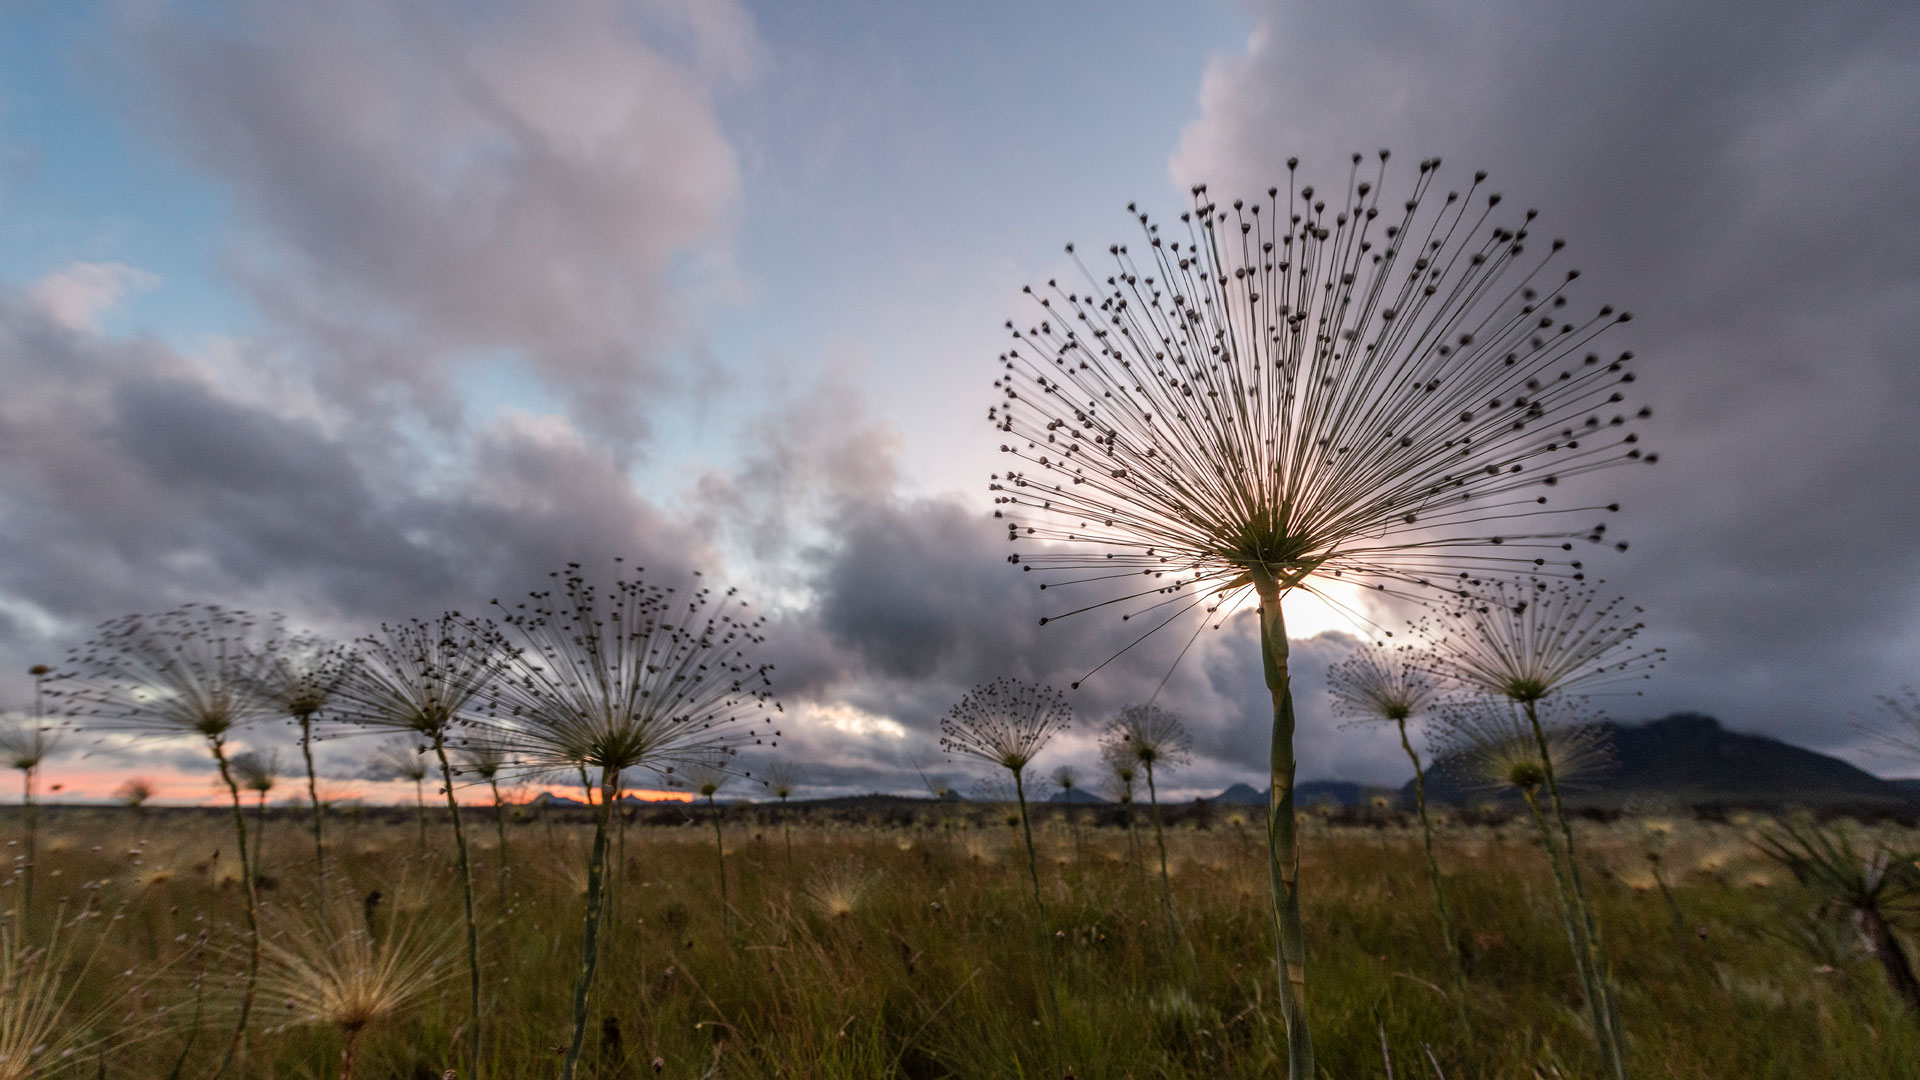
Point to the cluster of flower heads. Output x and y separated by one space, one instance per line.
1307 386
576 677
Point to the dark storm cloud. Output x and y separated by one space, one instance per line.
1741 177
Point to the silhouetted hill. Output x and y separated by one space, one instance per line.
1240 795
1310 793
1688 759
1078 797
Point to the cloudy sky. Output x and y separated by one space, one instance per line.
358 311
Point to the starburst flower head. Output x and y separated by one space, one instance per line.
1152 736
783 778
1530 638
1123 768
27 742
189 671
257 771
1490 746
634 675
1066 777
319 969
482 758
134 791
1379 683
1005 722
299 671
704 775
420 676
1388 388
840 889
397 759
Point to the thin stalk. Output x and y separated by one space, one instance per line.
1283 842
500 826
253 914
720 848
1886 947
346 1054
466 889
30 815
1562 894
420 813
1673 905
1433 875
1046 939
313 793
259 826
1606 1011
786 829
590 936
1166 880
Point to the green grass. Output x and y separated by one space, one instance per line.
936 972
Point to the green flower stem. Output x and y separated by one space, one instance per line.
500 826
466 888
720 848
1606 1016
1046 939
218 746
313 794
1433 875
590 935
1166 881
1283 847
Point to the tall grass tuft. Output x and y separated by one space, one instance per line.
635 676
322 969
26 742
1386 390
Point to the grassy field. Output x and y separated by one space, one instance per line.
908 947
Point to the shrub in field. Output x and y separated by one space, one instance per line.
1307 387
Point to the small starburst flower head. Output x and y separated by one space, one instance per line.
1005 722
26 743
783 778
1527 639
1379 683
299 671
419 676
258 771
633 675
1489 745
1066 777
1153 736
397 759
322 970
704 775
189 671
1388 389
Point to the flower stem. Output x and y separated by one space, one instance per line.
1046 939
1606 1016
500 826
466 887
253 916
590 935
1433 876
313 794
1283 847
1166 881
720 848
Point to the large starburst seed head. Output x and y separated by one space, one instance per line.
1378 683
1387 390
420 676
190 671
630 675
1490 745
1530 638
1153 736
1005 722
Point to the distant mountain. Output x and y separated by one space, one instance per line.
1689 759
1078 797
1310 793
1240 795
548 798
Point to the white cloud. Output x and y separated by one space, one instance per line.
79 293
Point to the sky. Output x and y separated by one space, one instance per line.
374 311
